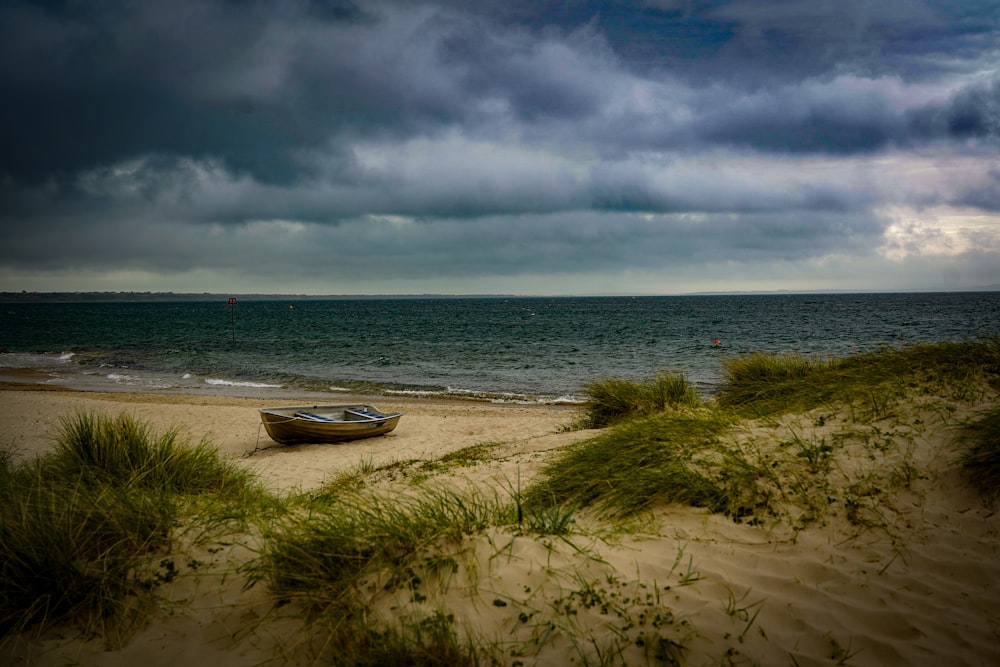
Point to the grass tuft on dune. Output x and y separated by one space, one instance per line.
81 529
763 385
612 399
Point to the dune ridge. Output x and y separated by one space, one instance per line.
900 567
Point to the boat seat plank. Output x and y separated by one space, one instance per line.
312 417
364 413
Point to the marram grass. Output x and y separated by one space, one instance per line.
428 642
72 550
651 456
761 384
981 459
668 458
611 400
319 557
316 555
123 451
81 527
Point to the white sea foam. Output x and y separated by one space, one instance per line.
414 392
14 360
235 383
492 397
29 360
147 381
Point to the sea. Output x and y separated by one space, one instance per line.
498 349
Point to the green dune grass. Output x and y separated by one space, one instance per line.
82 528
760 384
689 451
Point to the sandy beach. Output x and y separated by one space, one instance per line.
429 429
922 590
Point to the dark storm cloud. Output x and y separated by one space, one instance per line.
496 245
88 85
171 130
985 197
253 84
972 114
749 43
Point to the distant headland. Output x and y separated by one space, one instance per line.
146 297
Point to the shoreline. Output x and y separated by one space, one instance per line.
52 372
31 415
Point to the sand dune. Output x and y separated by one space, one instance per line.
922 588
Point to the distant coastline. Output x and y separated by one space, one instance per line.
187 297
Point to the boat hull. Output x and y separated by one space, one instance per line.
303 424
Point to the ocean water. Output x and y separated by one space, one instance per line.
499 349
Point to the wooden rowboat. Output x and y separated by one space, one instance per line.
326 423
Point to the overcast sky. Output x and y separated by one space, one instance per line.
508 146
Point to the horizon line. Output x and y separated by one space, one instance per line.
25 295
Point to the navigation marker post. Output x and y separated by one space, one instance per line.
232 315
